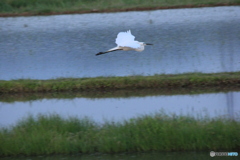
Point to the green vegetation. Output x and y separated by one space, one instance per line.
190 80
34 7
13 97
55 135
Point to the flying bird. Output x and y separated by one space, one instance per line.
125 41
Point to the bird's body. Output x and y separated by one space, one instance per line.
125 41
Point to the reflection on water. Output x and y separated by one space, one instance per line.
225 105
185 40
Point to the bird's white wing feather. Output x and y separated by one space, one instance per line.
126 39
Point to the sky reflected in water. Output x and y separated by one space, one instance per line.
185 40
117 109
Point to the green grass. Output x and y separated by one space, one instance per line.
190 80
13 97
33 7
52 134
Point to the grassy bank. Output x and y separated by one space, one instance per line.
53 135
190 80
23 97
36 7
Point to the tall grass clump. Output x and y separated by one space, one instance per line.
52 134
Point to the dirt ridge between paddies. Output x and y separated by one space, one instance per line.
122 93
187 80
108 8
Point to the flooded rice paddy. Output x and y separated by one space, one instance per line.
211 105
185 40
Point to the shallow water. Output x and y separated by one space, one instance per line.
185 40
225 105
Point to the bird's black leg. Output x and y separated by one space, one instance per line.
101 53
107 52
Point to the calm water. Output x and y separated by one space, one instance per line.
225 105
185 40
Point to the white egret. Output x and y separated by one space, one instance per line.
125 41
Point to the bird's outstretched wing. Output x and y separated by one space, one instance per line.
124 39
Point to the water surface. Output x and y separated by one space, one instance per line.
212 105
185 40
